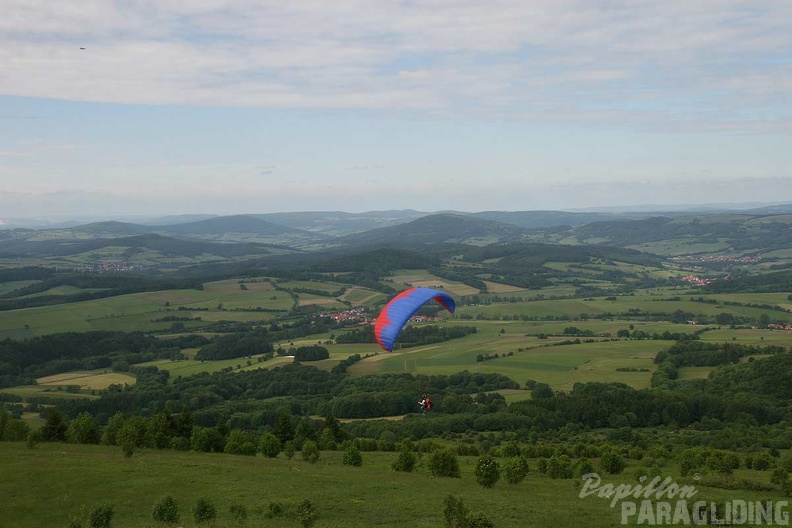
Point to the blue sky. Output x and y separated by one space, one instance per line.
243 106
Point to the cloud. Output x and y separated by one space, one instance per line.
544 60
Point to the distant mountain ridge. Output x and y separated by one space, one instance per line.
445 228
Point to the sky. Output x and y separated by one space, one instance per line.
155 107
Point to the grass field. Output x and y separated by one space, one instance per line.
559 366
45 485
88 379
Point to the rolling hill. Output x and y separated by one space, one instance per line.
437 229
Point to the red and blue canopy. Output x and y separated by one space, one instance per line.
399 310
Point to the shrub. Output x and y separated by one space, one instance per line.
515 469
305 513
352 457
239 513
457 515
204 511
454 511
274 509
584 467
612 462
510 449
310 451
478 520
179 443
487 471
270 446
101 516
404 462
33 438
288 449
560 467
166 511
444 464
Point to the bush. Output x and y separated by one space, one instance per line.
560 467
456 515
352 457
274 509
305 513
101 516
515 470
166 511
444 464
478 520
404 462
612 462
204 511
487 471
270 446
454 511
510 449
288 449
239 513
310 451
584 467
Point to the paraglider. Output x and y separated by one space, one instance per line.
399 310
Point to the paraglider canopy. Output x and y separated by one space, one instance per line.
399 310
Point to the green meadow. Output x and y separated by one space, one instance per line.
50 483
559 366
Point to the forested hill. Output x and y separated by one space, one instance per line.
735 231
437 229
769 378
780 281
168 246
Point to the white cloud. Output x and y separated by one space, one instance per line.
567 60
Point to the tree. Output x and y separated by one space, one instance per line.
127 439
515 470
352 457
159 430
487 471
457 515
284 429
305 513
269 445
542 391
54 429
310 451
238 512
114 425
83 430
405 461
101 516
327 440
183 423
612 462
166 511
443 463
204 511
239 442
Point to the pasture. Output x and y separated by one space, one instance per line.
88 379
559 366
46 485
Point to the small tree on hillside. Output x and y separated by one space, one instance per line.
101 516
444 464
405 461
310 451
204 511
166 511
352 457
487 471
269 445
